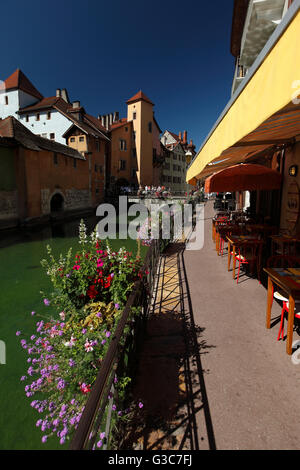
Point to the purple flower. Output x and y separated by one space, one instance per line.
23 378
83 331
33 313
18 333
103 341
117 306
47 302
99 444
141 404
107 334
44 438
71 363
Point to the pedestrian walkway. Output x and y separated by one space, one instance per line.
210 375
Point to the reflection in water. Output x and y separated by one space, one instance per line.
67 229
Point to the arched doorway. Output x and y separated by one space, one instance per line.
57 203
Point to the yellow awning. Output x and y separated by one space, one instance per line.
263 114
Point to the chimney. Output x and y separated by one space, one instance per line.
103 121
64 95
185 137
107 121
110 119
76 104
179 135
58 93
116 116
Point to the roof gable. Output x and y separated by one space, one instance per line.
140 96
19 81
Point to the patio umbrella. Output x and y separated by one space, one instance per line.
243 177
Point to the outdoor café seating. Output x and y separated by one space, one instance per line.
284 262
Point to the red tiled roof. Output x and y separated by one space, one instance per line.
11 128
118 124
96 122
49 102
19 81
138 97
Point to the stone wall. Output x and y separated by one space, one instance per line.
8 204
73 199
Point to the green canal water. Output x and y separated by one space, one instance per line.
21 280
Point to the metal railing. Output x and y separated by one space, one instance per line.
98 411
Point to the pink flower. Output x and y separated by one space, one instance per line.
88 346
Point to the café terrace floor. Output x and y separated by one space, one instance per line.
211 375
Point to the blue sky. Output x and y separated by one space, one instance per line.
103 52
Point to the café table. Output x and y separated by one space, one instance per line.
235 241
287 244
265 230
288 279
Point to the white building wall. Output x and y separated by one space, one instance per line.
58 124
12 107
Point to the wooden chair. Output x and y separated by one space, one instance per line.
284 261
249 253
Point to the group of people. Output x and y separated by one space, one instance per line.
153 191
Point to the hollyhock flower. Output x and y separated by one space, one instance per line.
88 346
70 343
62 316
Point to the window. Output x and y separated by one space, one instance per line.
52 135
97 146
122 164
26 118
123 144
75 163
169 179
72 139
133 172
81 138
150 127
55 159
96 168
134 115
49 115
175 156
6 100
126 129
100 168
37 117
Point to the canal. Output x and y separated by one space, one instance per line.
21 280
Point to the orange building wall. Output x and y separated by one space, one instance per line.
117 154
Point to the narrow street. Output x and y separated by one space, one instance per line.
210 375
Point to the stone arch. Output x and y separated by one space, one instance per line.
57 202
